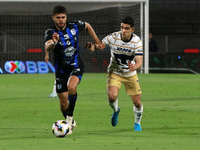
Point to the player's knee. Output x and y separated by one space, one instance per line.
112 97
63 105
137 105
71 89
137 101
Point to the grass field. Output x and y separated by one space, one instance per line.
171 118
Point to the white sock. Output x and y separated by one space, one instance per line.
138 114
54 86
69 120
114 105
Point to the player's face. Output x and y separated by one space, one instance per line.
60 20
127 31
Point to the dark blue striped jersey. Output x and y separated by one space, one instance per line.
66 51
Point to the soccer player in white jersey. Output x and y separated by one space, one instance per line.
126 58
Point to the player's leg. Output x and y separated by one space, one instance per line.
62 91
72 83
63 94
138 111
113 86
53 94
112 92
133 89
113 102
72 97
63 97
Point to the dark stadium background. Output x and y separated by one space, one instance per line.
175 25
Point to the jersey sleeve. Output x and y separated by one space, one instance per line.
48 35
111 38
106 40
138 47
80 24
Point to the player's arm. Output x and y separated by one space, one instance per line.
50 44
94 47
46 56
92 33
138 63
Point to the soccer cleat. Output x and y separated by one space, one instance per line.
137 127
53 94
72 124
114 118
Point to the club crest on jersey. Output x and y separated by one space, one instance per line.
124 50
73 31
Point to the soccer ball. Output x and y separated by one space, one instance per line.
60 128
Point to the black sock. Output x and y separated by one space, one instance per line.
65 113
72 101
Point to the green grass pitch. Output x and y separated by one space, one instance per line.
171 118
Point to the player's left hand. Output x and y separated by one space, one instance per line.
88 45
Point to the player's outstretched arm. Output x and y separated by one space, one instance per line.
92 33
93 47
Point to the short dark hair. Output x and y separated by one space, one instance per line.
128 20
59 10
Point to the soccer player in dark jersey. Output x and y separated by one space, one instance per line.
62 38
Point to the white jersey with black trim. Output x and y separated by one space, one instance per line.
122 52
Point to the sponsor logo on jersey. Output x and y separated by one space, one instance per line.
69 51
124 49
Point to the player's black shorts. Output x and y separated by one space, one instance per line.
62 79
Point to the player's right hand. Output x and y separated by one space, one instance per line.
131 66
99 46
55 37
